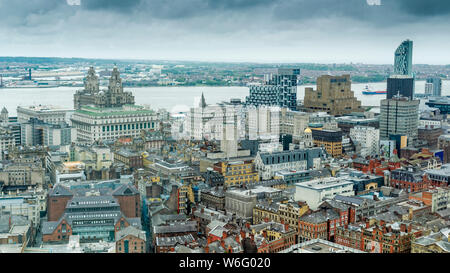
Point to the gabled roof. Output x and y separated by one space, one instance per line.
130 230
125 189
60 190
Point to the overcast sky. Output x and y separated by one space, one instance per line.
321 31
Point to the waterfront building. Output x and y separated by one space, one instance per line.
399 116
402 80
333 95
433 87
45 113
114 96
403 58
402 85
279 89
107 124
441 103
108 115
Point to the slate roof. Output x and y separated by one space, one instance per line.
320 216
172 241
125 189
353 200
60 190
130 230
286 156
189 226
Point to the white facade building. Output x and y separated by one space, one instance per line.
316 191
46 113
208 121
94 123
368 138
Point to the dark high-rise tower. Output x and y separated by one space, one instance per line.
402 81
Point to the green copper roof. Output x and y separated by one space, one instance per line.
114 111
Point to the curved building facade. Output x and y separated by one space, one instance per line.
403 58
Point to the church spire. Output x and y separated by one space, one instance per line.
203 102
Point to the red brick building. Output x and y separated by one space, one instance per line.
131 240
323 223
409 179
382 238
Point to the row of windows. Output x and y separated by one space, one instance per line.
120 127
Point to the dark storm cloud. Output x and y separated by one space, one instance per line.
16 12
425 8
258 28
390 12
115 5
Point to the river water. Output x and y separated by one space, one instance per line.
174 99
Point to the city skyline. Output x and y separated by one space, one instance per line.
325 31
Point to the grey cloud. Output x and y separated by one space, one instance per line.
115 5
425 8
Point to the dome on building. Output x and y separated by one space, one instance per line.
307 130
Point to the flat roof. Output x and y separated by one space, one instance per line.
323 183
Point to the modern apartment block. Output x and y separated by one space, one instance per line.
402 80
433 87
403 58
279 89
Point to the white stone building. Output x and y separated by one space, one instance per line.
46 113
315 191
94 123
368 138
